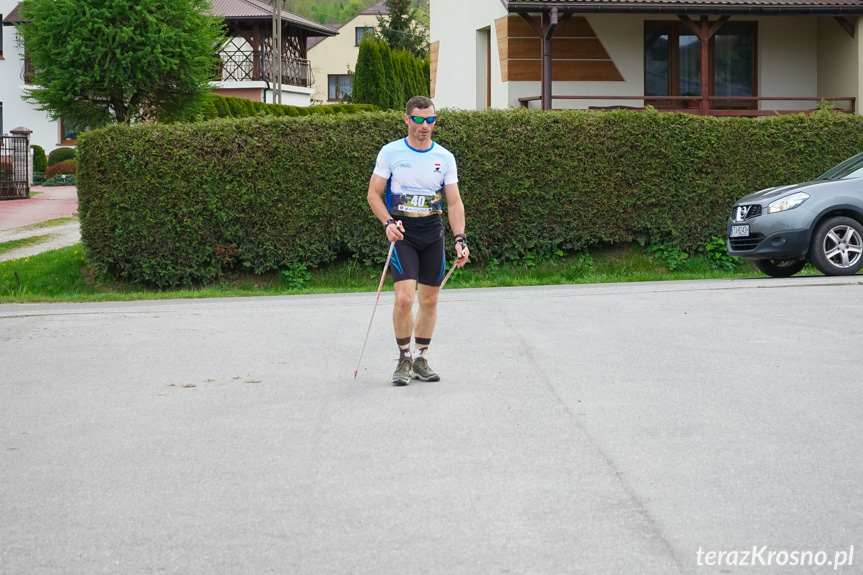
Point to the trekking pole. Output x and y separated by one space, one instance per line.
449 273
377 297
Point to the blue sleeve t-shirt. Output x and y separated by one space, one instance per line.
415 178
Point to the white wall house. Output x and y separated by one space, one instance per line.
248 66
14 112
247 70
488 53
334 59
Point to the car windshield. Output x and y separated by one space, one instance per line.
847 170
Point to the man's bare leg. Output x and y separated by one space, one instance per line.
427 314
403 324
424 329
403 319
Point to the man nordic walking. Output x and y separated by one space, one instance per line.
412 174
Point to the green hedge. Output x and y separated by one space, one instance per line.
60 155
182 203
227 107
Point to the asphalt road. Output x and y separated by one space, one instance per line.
617 429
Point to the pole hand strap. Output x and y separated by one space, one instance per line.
461 239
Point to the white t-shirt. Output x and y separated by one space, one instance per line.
415 178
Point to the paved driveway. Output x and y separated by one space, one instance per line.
19 219
620 429
49 203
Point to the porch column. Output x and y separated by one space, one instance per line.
704 32
256 52
704 104
549 26
545 30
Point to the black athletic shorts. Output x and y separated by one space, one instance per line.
421 256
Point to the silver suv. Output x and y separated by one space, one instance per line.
821 221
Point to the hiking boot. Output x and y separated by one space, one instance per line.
422 371
402 374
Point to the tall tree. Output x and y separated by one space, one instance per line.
101 61
392 81
370 77
402 64
403 28
337 11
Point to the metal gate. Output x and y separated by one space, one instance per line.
15 166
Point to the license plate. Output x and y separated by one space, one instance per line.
739 231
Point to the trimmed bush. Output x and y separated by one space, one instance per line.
40 161
210 112
67 167
228 107
221 105
60 181
184 203
60 155
236 107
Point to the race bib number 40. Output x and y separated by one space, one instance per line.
416 202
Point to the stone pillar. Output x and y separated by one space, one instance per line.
23 156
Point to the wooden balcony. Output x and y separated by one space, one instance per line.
256 65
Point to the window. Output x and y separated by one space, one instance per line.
672 63
339 87
27 69
360 32
69 133
734 64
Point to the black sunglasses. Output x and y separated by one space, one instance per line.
420 119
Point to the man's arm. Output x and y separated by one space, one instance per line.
455 214
377 187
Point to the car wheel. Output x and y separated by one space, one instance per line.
779 268
837 246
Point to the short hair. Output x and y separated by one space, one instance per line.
420 102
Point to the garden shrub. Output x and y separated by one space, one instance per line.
58 180
209 112
40 161
184 203
67 167
236 107
219 106
60 155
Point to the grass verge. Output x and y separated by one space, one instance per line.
65 275
23 242
52 223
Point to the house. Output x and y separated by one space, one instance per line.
247 64
716 57
335 58
247 67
